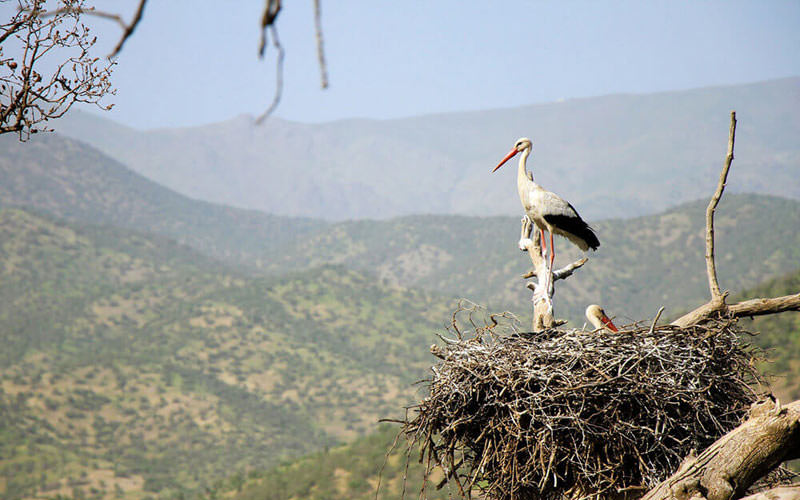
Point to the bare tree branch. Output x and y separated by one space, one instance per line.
716 306
727 468
129 29
32 10
744 309
711 269
760 307
278 77
323 69
271 10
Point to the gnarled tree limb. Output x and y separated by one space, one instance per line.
727 468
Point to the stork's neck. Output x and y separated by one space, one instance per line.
596 322
522 174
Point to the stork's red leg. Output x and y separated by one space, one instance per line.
552 251
544 246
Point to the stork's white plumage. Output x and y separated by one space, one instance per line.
598 318
546 209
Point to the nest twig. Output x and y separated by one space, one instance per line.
574 413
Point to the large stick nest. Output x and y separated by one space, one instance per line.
578 413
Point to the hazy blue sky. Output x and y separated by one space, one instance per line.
193 62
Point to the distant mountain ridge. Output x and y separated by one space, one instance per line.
642 264
611 156
72 180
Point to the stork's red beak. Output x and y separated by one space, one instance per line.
508 157
607 321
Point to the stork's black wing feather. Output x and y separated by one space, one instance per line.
572 223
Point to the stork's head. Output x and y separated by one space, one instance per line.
522 144
597 317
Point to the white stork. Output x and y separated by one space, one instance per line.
597 317
546 209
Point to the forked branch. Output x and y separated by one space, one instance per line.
716 306
711 268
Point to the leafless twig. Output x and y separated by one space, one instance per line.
323 69
276 99
127 29
130 28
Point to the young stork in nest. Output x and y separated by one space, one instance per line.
546 209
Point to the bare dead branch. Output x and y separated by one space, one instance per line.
543 289
323 68
711 269
129 29
744 309
276 99
760 307
562 273
271 10
727 468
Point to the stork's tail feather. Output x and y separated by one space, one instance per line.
575 230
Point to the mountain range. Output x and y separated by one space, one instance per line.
611 156
643 262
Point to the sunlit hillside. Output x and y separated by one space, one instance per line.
133 365
642 264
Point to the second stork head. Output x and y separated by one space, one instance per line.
598 318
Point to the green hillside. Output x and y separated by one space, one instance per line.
642 264
347 472
134 366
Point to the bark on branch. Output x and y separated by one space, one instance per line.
724 471
779 493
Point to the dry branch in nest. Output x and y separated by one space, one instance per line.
574 413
